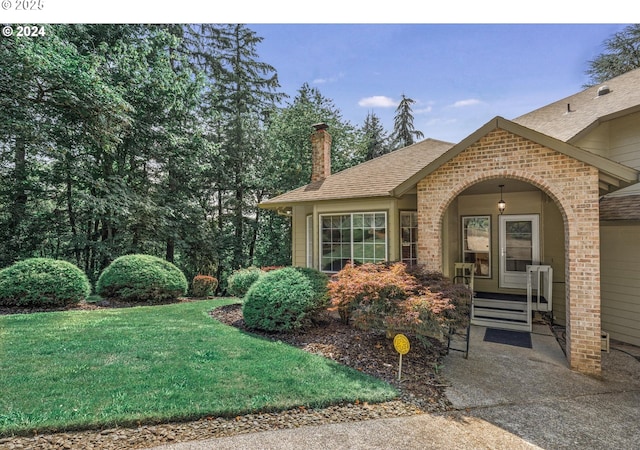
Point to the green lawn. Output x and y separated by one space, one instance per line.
85 369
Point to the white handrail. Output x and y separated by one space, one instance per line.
544 276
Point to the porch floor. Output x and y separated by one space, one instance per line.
507 297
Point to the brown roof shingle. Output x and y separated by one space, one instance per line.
568 118
620 207
374 178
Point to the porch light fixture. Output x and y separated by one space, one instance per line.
501 204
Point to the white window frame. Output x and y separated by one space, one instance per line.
310 240
413 258
478 272
518 279
351 241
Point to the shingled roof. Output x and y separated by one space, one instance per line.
568 119
620 208
375 178
621 205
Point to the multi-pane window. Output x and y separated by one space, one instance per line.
356 237
409 236
476 243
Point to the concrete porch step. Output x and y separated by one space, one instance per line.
516 316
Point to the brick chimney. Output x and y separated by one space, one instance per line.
320 152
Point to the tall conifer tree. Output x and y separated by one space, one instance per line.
404 132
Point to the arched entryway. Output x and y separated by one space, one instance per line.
572 187
529 231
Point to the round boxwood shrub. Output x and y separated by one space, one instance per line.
141 278
319 283
282 300
241 280
43 282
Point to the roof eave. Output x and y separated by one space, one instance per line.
621 172
274 206
268 204
600 120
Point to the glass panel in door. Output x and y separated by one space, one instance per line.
519 247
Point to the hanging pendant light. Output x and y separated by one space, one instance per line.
501 204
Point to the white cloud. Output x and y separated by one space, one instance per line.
325 80
426 110
467 102
377 101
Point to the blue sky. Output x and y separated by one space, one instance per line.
460 76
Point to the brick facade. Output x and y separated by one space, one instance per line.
572 184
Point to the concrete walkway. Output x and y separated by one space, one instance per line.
532 393
506 397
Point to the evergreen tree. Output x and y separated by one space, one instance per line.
158 139
138 189
622 54
248 92
56 108
376 139
100 141
404 133
286 163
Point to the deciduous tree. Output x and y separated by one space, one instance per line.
286 163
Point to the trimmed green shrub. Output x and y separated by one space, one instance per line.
203 285
282 300
141 278
241 280
319 283
43 282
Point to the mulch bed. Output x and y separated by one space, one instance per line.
86 306
367 351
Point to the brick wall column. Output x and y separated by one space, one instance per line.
572 184
583 287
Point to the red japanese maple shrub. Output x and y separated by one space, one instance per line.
369 288
387 297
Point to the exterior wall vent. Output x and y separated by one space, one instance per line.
603 90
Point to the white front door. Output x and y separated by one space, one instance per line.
519 246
